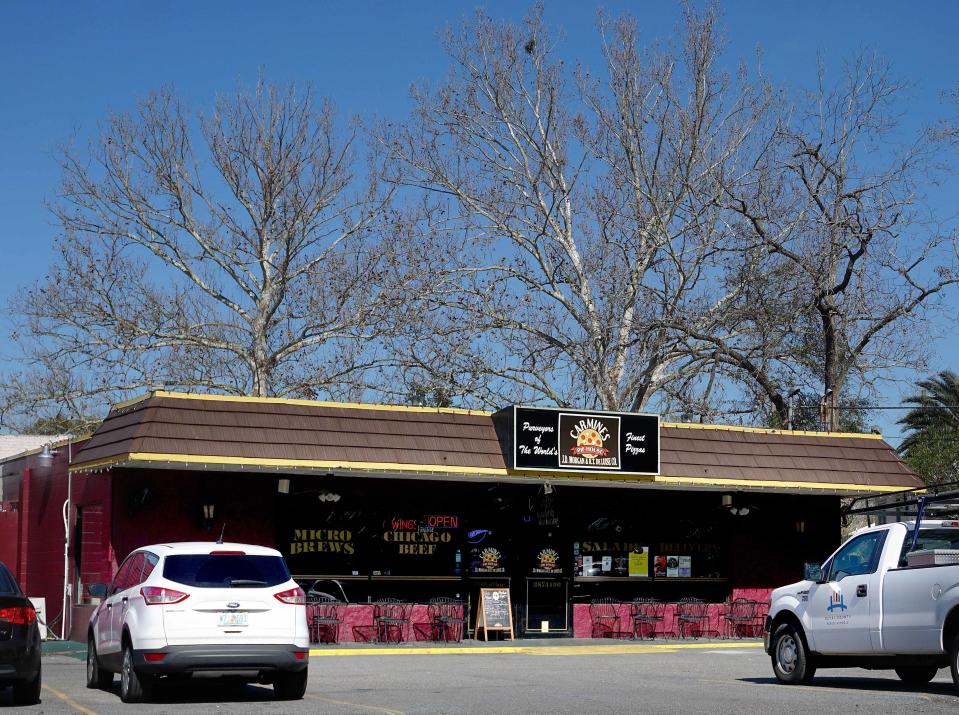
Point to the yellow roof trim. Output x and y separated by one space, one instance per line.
291 401
780 484
438 468
281 463
766 430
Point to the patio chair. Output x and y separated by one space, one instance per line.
604 614
648 614
391 617
756 626
740 614
447 619
323 619
691 617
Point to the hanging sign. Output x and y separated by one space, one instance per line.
579 441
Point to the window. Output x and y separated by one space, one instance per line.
8 587
149 563
859 556
129 573
930 539
225 571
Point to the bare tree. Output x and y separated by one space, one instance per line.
587 209
252 251
849 263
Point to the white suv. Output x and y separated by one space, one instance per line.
213 608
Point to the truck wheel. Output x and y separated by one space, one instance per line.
917 674
790 657
954 661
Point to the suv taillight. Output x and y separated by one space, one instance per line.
159 596
19 616
294 596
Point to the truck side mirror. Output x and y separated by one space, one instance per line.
812 572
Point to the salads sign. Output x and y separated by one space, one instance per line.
580 441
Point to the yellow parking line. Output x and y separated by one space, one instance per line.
358 706
69 701
534 650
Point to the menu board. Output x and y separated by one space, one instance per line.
495 612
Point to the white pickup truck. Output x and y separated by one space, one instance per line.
869 608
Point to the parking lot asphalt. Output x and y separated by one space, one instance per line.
523 677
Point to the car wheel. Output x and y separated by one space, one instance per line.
27 692
790 657
917 674
135 687
290 686
97 677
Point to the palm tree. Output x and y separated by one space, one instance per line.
936 414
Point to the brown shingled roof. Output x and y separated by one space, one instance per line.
295 433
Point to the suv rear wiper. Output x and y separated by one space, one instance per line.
242 582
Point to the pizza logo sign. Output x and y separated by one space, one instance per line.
589 435
490 558
547 561
589 441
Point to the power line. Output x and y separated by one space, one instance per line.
893 407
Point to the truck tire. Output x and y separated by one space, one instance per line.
792 664
954 661
917 674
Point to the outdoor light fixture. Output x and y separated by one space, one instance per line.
46 454
283 486
547 488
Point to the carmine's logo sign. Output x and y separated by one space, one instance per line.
589 441
568 440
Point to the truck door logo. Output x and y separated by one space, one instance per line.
836 603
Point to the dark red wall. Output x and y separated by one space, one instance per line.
157 505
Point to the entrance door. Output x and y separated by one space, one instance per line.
845 608
547 605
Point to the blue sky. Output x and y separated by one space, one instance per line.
67 64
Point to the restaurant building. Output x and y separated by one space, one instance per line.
558 506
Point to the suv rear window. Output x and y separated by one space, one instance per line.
225 571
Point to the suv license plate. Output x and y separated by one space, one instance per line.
230 618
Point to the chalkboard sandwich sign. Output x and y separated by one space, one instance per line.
553 439
494 612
